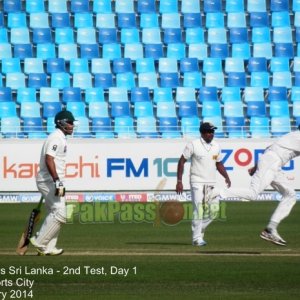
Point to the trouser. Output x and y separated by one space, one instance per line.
203 212
268 173
55 216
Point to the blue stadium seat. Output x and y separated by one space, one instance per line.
282 35
233 64
48 94
233 109
282 79
259 19
280 19
190 126
33 127
189 65
64 35
279 64
185 94
211 108
284 50
149 20
278 5
105 20
214 19
172 35
235 127
170 20
187 109
100 65
238 35
111 51
122 65
102 127
93 95
37 80
50 109
82 80
126 80
3 35
147 79
133 51
98 109
234 6
217 35
45 51
256 109
212 5
83 20
168 127
1 19
236 19
138 94
11 65
30 109
23 50
168 6
89 51
212 65
86 35
11 127
260 79
78 65
78 6
60 19
279 109
208 94
192 79
60 80
57 6
169 80
126 20
176 50
231 94
261 35
103 80
26 95
39 20
8 109
5 94
190 6
256 6
167 65
151 35
146 127
124 127
259 127
34 6
130 36
12 6
253 94
194 35
67 51
162 95
146 6
154 51
143 109
33 65
117 94
82 128
236 79
107 35
277 93
102 6
192 20
19 35
41 35
16 19
76 108
280 125
241 50
219 50
198 50
295 93
55 65
257 64
262 50
124 6
71 94
165 109
15 80
215 79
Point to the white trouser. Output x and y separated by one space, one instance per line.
268 173
203 215
55 216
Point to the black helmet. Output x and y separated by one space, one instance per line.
65 116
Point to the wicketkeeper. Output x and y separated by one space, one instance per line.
50 182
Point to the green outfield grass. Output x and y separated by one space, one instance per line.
161 263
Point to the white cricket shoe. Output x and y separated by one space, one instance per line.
272 235
53 252
199 243
39 248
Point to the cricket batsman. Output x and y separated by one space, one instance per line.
50 182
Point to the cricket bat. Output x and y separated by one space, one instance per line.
26 235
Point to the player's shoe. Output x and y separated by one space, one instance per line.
199 243
53 252
39 248
272 235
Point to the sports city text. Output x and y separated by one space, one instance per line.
122 212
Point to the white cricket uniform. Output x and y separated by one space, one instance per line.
203 158
55 146
269 172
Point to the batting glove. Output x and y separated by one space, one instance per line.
60 189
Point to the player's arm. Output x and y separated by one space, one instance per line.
221 169
180 169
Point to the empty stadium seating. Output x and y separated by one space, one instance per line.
151 63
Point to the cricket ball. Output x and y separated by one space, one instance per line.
171 212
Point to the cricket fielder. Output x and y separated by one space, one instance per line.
268 172
205 155
50 182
